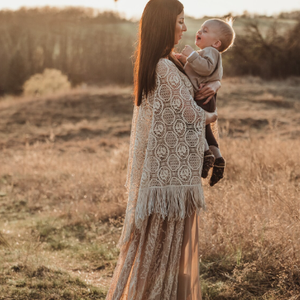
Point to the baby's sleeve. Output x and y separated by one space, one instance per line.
204 64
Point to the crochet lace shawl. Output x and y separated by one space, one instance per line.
166 152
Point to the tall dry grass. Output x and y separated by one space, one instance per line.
80 181
249 234
252 224
64 199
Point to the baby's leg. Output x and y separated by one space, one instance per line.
210 109
210 106
212 142
212 157
208 161
219 164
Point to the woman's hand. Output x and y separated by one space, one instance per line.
207 90
210 117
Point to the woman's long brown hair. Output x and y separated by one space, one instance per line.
156 40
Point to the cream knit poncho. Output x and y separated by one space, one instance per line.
166 152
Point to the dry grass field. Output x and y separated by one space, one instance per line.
62 198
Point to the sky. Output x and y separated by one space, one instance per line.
195 8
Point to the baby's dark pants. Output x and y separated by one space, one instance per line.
209 107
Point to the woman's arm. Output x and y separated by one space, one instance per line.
207 91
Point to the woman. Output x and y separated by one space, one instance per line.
159 242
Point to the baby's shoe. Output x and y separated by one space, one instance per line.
218 171
208 163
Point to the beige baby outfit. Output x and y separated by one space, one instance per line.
204 66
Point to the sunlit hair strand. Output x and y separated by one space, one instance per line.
156 40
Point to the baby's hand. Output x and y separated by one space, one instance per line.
181 58
177 55
187 50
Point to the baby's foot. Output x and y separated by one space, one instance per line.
210 117
208 163
218 171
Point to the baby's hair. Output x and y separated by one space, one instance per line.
227 34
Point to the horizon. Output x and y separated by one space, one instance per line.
129 9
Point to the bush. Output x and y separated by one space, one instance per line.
49 82
273 54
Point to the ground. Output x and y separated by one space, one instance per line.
63 166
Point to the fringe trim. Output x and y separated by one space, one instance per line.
172 202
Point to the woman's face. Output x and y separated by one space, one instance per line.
180 27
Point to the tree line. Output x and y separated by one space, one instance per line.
85 47
270 55
97 48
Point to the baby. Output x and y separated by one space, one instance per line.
213 38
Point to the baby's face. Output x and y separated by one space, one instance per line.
207 35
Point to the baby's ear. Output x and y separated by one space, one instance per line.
217 44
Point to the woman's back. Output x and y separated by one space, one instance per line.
159 243
166 151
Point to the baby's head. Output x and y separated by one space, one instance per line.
215 33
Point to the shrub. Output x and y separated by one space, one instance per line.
49 82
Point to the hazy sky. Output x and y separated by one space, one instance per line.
196 8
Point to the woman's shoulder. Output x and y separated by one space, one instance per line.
165 62
168 73
165 66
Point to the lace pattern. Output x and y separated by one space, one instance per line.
160 262
166 152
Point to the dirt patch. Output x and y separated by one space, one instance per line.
69 117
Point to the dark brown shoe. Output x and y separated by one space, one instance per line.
218 171
208 163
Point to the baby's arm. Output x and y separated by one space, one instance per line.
187 50
202 65
181 58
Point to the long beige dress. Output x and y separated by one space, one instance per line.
160 262
159 257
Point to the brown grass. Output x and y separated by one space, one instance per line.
62 197
252 224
